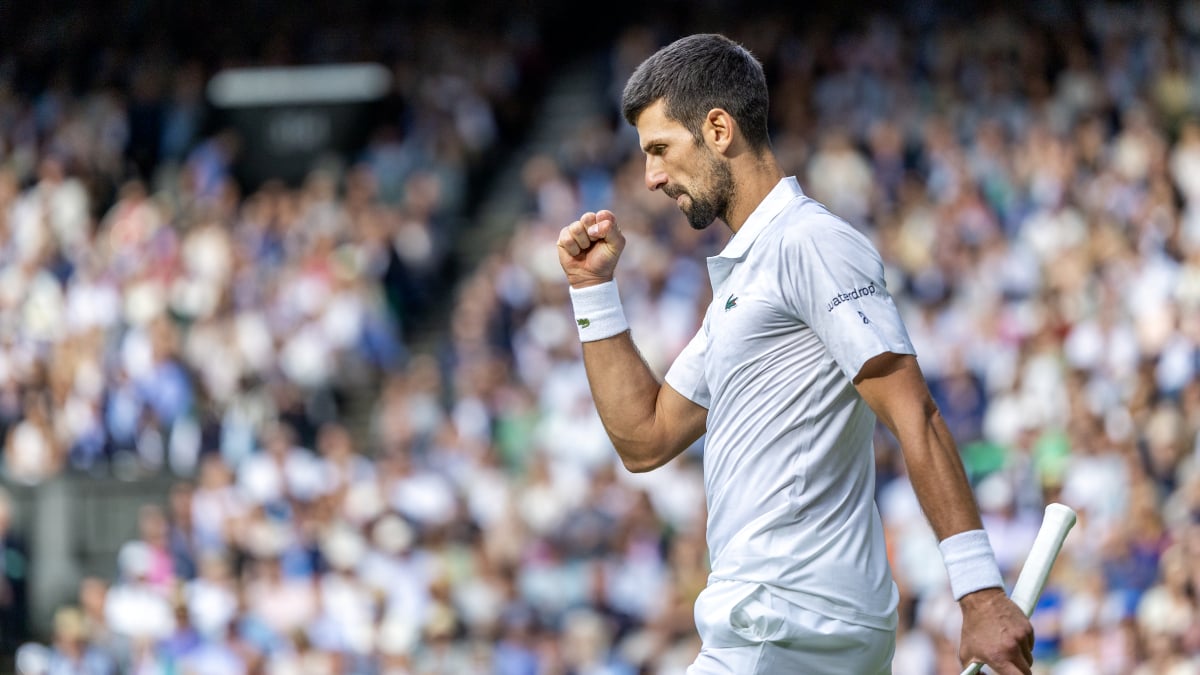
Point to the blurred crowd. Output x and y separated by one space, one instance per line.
1031 179
153 308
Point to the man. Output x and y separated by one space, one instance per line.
801 350
14 617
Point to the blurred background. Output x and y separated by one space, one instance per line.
289 382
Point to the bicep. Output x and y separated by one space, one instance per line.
894 387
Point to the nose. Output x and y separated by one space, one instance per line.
655 176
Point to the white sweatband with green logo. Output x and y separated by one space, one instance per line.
970 563
598 311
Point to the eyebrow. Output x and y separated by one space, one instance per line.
646 146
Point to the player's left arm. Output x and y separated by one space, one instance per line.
995 630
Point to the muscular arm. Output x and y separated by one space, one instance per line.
995 630
892 384
648 421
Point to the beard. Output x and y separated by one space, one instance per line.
709 204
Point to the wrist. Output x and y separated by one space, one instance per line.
598 311
970 564
981 598
588 282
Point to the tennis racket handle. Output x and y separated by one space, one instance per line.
1056 523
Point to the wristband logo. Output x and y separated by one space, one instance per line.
583 323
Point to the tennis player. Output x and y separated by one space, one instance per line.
800 352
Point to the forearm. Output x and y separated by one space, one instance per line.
940 483
626 393
647 421
937 475
895 389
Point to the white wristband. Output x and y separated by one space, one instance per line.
598 311
970 563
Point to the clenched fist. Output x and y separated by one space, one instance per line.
588 249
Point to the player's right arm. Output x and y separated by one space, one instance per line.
648 422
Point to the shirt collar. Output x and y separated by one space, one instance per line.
784 192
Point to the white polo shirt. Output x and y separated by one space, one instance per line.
799 305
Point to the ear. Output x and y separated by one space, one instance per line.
719 127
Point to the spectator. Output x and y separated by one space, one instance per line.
14 569
283 471
154 535
93 597
72 653
136 609
31 451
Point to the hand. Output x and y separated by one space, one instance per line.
996 632
588 249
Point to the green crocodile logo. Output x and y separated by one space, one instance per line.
731 302
583 323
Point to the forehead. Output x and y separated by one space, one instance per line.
653 125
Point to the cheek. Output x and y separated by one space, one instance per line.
684 181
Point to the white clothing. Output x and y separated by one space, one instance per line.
138 611
211 606
748 629
799 305
263 479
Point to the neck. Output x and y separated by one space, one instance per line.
757 178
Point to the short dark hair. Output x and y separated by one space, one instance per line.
697 73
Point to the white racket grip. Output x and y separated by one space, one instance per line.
1056 523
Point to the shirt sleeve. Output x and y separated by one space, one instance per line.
686 374
833 282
